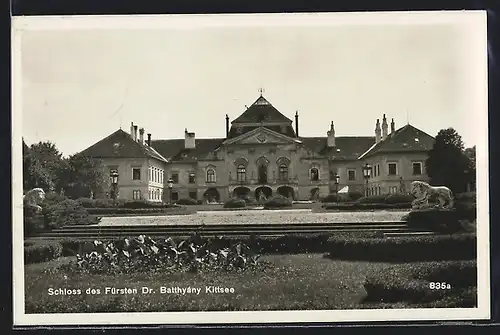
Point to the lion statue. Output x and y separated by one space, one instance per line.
34 197
422 191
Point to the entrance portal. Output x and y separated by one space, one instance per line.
263 193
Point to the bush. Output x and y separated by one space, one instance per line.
33 221
404 248
187 201
332 197
235 203
143 204
278 201
130 211
366 206
411 282
434 219
466 197
372 199
354 195
466 206
42 251
67 212
399 198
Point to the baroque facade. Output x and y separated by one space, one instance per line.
263 154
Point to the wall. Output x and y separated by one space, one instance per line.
404 163
126 185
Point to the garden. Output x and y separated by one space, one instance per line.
344 270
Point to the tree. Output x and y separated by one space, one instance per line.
41 162
82 176
471 176
447 164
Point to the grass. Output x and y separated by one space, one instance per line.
291 282
282 282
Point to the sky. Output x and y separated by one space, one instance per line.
81 82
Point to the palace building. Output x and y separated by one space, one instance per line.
263 153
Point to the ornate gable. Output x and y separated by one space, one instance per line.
262 135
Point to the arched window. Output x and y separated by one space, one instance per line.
283 172
241 173
314 174
210 176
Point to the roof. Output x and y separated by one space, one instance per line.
346 147
405 139
174 149
121 144
261 111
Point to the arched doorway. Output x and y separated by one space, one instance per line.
211 195
286 191
314 195
241 192
263 193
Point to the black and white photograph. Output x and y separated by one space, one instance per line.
250 168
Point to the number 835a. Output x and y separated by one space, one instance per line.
439 286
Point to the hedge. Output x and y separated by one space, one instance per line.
278 201
67 212
411 283
42 251
235 203
138 211
187 202
122 203
365 206
342 197
404 248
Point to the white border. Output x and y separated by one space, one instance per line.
476 19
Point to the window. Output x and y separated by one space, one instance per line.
149 174
175 178
210 176
192 178
314 174
241 173
150 194
136 194
392 169
193 195
283 172
417 168
351 174
393 189
379 190
175 196
376 170
136 174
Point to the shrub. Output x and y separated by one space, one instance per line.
404 248
33 221
278 201
67 212
434 219
372 199
332 197
186 201
52 198
42 251
411 282
466 206
87 202
250 201
130 211
366 206
466 196
235 203
399 198
354 195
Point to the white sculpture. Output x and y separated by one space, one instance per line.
34 197
422 191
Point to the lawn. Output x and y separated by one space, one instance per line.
284 282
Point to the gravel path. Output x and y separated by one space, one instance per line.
255 217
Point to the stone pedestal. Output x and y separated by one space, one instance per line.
434 219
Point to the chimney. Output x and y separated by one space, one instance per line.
377 131
189 140
132 129
149 139
393 126
141 135
227 126
384 128
331 137
135 133
297 123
